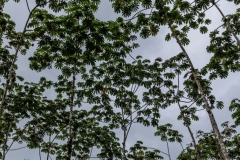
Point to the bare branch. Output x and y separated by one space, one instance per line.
208 109
219 27
168 150
134 16
10 71
16 148
228 24
39 152
90 153
211 6
28 6
158 150
49 146
131 56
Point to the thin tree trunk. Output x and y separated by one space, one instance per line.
169 156
5 150
190 131
10 71
193 139
69 144
228 25
6 140
49 140
124 135
209 111
39 152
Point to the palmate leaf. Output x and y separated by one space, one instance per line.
203 29
145 33
93 73
168 37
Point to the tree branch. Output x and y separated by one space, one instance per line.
208 109
28 6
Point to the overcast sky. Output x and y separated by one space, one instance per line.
151 48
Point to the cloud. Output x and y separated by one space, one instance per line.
151 48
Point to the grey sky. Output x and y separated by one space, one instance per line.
151 48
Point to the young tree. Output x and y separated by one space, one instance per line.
98 93
173 14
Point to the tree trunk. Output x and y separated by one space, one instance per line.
209 111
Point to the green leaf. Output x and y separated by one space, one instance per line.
203 29
208 21
168 37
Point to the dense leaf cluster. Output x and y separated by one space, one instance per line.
98 92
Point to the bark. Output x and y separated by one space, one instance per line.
49 140
4 152
10 71
190 131
169 156
207 106
228 25
193 139
70 139
124 135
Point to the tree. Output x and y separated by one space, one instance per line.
90 56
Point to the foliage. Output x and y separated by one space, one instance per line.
99 93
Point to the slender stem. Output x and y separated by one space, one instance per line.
132 57
193 139
10 71
39 152
28 6
194 102
49 146
69 154
5 141
181 145
219 27
189 129
145 105
168 150
14 149
138 115
228 25
158 150
208 109
131 121
90 153
135 15
217 149
5 149
124 134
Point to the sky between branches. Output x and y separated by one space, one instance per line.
224 90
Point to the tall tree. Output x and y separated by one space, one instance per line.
98 91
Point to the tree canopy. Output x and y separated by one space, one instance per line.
102 89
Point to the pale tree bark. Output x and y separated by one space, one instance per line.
207 106
193 139
189 130
228 24
70 139
124 128
49 141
